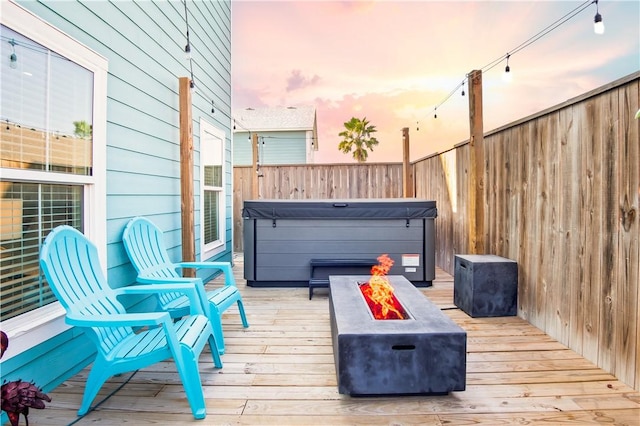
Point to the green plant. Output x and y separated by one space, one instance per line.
357 138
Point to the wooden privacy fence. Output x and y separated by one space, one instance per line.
314 181
561 197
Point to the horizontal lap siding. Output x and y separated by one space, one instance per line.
144 45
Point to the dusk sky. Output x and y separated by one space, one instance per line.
393 62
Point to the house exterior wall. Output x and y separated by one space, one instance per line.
283 147
143 43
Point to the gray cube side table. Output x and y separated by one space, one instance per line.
485 285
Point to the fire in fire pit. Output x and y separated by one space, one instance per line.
378 293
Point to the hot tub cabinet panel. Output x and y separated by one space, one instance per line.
282 236
425 354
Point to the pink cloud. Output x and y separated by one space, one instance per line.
297 81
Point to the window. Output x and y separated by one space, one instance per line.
212 178
52 151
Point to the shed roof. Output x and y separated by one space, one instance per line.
277 118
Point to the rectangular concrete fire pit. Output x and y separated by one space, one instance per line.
425 354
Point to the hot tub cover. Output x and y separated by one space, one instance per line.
380 208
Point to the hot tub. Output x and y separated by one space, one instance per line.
282 236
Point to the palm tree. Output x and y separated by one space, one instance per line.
83 129
357 137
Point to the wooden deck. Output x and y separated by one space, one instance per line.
280 371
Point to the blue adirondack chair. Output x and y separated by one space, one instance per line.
144 244
72 268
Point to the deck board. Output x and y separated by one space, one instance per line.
280 371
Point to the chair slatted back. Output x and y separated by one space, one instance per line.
72 269
144 243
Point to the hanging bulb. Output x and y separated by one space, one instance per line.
187 51
234 124
598 25
463 88
417 126
13 58
192 84
507 76
435 112
212 108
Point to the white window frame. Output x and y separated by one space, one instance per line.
34 327
207 251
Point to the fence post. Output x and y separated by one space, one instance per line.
254 176
407 171
475 212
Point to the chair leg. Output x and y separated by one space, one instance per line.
99 374
243 316
216 323
190 375
217 361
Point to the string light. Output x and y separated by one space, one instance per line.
192 82
531 40
507 76
598 25
187 48
13 58
462 87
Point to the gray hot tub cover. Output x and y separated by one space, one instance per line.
386 208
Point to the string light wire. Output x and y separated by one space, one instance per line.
520 47
200 91
187 48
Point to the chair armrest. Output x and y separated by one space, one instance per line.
192 288
219 265
225 267
141 279
119 320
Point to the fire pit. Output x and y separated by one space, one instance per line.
424 353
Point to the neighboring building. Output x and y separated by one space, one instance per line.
90 137
286 135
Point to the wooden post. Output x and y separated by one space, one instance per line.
255 194
475 212
186 175
407 172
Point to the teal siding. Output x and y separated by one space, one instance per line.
284 147
144 44
50 363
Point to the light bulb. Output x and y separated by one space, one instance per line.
507 76
187 52
13 61
598 25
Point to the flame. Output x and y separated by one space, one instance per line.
379 293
